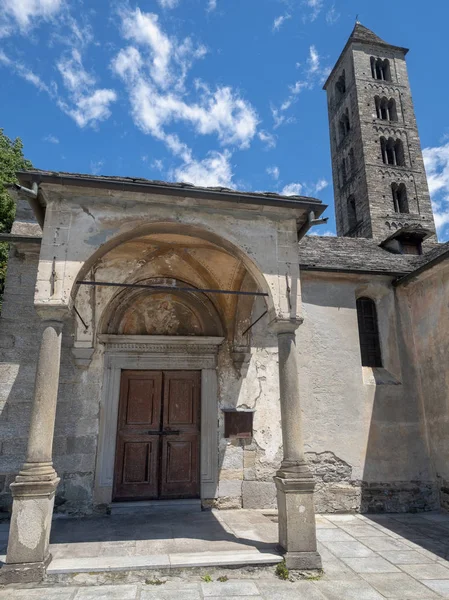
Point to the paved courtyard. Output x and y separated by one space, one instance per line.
365 558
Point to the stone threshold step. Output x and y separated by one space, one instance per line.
99 564
122 508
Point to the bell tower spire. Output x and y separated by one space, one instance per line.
379 178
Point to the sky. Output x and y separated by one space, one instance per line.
212 92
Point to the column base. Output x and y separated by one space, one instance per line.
303 561
24 572
29 531
297 529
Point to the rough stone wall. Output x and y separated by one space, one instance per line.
369 180
76 426
19 344
427 301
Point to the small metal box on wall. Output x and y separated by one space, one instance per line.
238 424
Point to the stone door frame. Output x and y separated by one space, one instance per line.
155 352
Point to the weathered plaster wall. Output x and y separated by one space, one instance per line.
427 301
363 427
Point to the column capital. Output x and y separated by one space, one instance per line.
280 326
52 312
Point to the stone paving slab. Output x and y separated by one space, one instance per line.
398 586
441 587
229 588
398 557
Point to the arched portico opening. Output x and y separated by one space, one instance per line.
168 302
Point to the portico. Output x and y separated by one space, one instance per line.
159 283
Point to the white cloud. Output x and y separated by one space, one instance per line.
96 166
305 189
436 161
298 87
157 164
314 73
168 3
267 138
332 15
313 60
212 5
155 77
52 139
87 105
315 6
292 189
319 232
127 63
213 171
91 108
25 13
274 172
320 185
74 76
25 73
279 21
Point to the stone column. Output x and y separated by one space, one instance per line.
294 480
34 488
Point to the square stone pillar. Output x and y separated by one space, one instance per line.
34 488
294 481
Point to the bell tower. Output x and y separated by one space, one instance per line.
380 184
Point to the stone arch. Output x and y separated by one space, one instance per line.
175 228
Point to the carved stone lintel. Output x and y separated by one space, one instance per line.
159 344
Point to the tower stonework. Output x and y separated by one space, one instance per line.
378 170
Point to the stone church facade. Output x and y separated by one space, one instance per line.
168 342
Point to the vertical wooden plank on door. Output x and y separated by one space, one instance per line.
180 451
137 450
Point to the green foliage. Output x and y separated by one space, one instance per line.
206 578
223 578
155 581
281 571
11 161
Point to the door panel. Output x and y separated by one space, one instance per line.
137 452
151 462
180 452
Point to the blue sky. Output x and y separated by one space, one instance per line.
214 92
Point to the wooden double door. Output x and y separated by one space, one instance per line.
158 435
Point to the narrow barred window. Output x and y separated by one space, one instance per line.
368 333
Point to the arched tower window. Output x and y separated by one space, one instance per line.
352 164
392 112
380 69
340 87
344 125
344 174
400 199
399 153
392 152
373 67
368 333
352 213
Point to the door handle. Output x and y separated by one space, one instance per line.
165 432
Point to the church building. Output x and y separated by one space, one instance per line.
163 342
